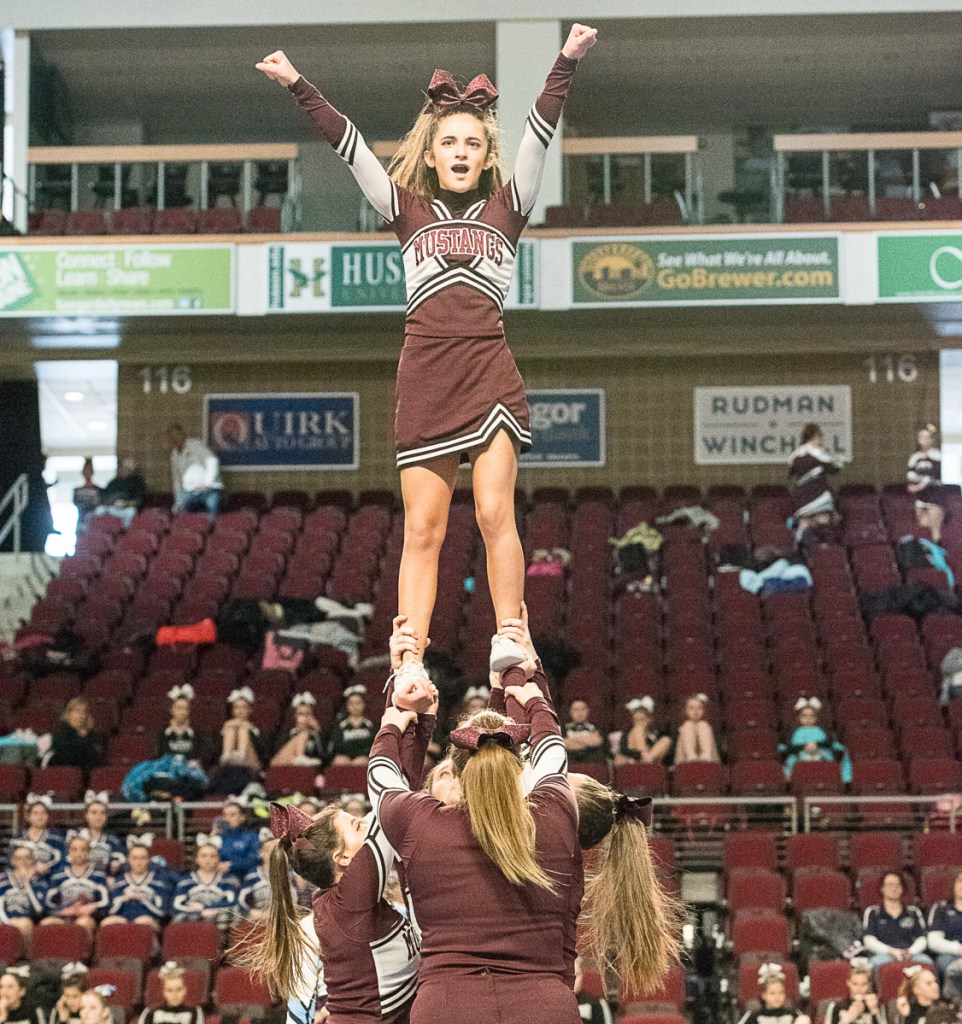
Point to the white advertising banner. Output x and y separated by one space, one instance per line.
752 425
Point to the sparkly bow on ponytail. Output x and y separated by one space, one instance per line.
445 95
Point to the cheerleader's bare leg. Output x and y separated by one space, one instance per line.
426 489
495 474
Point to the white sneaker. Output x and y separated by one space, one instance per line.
505 653
412 671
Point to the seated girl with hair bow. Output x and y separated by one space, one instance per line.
695 738
369 949
302 743
179 737
73 984
48 846
642 741
78 892
774 1008
23 893
810 742
862 1005
95 1005
174 1009
242 755
353 732
107 851
140 895
207 893
16 1006
919 1000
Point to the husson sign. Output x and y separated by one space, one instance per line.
751 425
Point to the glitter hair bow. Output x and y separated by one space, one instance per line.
185 692
770 972
641 704
808 702
445 96
639 808
289 825
241 693
507 735
92 797
303 698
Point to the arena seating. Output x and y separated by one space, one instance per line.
144 220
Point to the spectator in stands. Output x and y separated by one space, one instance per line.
240 845
592 1009
355 804
75 741
174 1009
207 893
813 505
475 698
771 992
302 743
584 741
16 1007
73 984
195 473
107 852
695 738
78 893
862 1005
125 495
353 732
241 745
255 893
140 895
179 736
891 930
95 1005
919 1000
924 482
87 496
47 845
811 742
22 893
945 939
642 741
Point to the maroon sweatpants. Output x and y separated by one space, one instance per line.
485 997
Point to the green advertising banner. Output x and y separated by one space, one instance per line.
721 270
920 266
118 280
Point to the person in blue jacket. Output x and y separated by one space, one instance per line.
207 893
140 895
78 892
240 845
47 845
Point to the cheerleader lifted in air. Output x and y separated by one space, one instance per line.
459 395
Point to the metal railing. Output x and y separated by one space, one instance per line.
898 813
13 505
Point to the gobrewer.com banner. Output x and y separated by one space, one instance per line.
764 424
707 269
129 280
284 431
567 428
920 266
306 277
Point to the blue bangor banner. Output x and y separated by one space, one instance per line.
284 431
567 427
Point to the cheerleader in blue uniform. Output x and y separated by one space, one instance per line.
22 893
140 895
107 852
255 892
240 846
207 893
47 845
78 892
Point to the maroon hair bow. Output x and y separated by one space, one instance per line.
445 95
639 808
507 735
288 824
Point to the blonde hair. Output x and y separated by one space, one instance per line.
409 170
500 818
72 705
630 924
276 954
907 987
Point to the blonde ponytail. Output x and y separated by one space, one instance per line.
408 169
500 819
276 954
630 924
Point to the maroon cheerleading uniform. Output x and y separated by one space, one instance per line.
457 382
809 470
496 951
